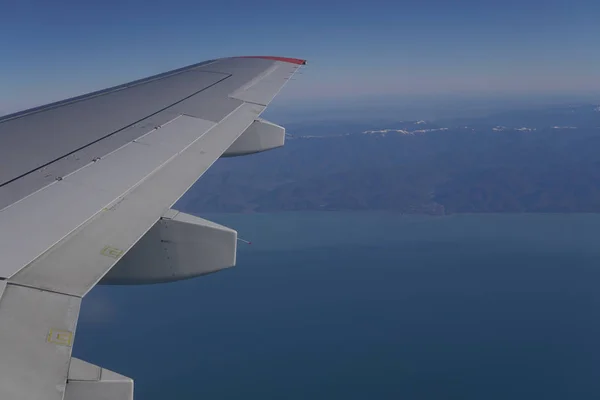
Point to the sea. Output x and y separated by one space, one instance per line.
367 305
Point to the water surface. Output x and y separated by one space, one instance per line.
367 305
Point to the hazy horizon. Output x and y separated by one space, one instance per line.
396 107
365 49
428 107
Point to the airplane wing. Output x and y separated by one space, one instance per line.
86 190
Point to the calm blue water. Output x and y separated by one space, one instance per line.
368 305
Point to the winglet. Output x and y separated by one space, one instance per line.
284 59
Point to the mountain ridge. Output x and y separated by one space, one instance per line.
418 167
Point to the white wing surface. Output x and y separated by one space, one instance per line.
86 190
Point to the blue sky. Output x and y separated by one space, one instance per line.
51 50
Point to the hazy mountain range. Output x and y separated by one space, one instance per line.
540 160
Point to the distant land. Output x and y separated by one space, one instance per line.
539 160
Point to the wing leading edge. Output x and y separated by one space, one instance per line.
86 179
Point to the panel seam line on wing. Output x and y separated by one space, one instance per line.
62 180
110 90
9 282
111 134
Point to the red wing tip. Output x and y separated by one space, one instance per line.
284 59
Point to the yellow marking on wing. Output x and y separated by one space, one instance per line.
60 337
110 251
